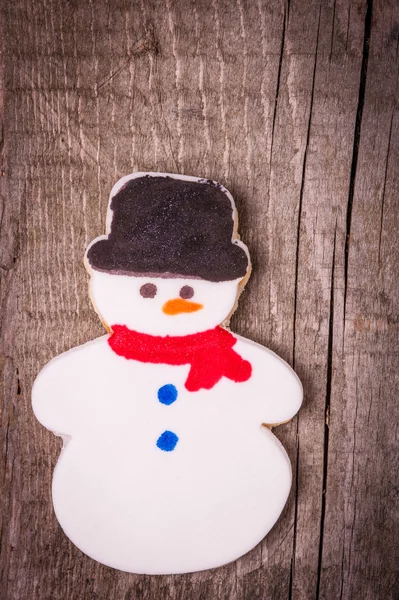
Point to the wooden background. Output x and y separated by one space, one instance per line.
294 107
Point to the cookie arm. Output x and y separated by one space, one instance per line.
53 395
61 393
275 389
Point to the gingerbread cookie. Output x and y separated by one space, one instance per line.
166 467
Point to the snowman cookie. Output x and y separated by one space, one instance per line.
166 466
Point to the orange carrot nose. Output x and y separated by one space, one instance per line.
178 305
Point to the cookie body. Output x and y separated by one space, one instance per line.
166 466
135 507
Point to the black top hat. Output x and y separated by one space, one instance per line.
163 226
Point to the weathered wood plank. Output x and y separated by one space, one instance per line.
360 551
321 250
294 108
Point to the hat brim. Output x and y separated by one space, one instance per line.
221 263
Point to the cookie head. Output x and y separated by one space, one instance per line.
171 261
162 306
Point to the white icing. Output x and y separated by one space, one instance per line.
119 497
117 299
131 506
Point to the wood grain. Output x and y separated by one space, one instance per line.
294 107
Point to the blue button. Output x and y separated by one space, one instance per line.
167 441
167 394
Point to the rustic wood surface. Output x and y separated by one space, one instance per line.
294 107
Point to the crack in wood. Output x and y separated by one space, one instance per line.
332 32
292 565
326 414
383 189
290 589
356 140
305 157
342 574
285 21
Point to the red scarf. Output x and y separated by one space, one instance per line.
209 354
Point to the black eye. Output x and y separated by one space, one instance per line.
186 292
148 290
